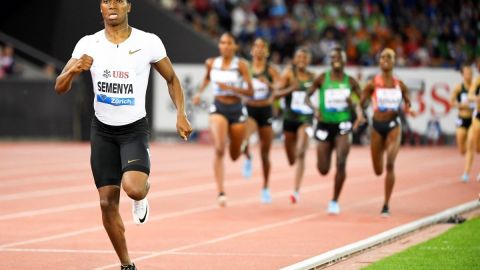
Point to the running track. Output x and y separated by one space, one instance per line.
49 214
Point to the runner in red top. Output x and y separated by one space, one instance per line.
387 94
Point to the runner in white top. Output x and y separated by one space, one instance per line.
226 74
120 73
119 59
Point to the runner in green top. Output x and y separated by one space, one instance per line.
297 117
334 120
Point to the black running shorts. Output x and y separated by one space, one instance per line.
327 132
293 126
383 128
262 115
464 122
235 113
117 149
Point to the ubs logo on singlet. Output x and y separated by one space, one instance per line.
107 74
115 74
120 74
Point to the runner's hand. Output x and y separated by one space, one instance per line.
83 64
360 120
317 115
413 113
224 86
196 99
184 128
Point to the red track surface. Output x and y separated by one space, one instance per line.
49 214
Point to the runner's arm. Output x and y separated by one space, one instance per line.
317 83
71 70
206 81
286 85
366 94
358 108
471 92
406 99
165 68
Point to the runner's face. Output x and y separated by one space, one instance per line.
227 46
301 59
114 12
336 61
259 49
467 73
386 61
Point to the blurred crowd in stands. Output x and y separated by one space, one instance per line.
11 67
7 61
436 33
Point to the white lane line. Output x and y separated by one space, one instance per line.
46 193
221 239
77 251
191 173
151 195
152 218
347 250
279 224
134 252
186 212
239 254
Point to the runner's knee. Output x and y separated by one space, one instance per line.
300 154
265 157
341 164
390 166
219 152
235 155
323 168
108 205
135 192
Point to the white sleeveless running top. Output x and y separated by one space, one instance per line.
230 76
120 74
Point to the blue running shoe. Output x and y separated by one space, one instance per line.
333 208
465 177
266 198
247 168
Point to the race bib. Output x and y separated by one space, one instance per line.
345 127
228 77
336 99
464 98
114 86
260 89
388 99
298 103
321 134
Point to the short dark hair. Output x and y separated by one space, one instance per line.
128 1
340 51
230 34
465 65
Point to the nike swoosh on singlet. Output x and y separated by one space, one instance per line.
132 52
132 160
